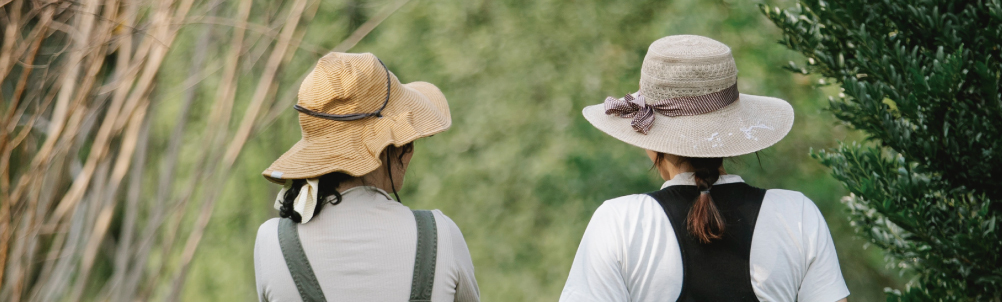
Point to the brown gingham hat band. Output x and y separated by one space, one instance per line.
643 113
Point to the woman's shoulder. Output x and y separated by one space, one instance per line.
627 201
445 225
266 243
787 197
451 238
789 203
441 218
629 207
268 231
270 224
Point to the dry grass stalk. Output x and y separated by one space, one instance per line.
79 82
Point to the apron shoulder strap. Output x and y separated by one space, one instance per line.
309 287
425 257
295 258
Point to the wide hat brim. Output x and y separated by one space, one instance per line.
416 110
750 124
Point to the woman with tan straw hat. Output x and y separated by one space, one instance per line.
341 236
705 235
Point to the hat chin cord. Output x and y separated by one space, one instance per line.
389 173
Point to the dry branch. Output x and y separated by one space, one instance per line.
80 81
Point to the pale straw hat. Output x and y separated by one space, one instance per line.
351 107
689 105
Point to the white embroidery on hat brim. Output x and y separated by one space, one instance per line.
750 130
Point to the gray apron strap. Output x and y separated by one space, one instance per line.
295 258
309 287
424 259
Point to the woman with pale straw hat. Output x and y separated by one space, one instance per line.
341 236
705 235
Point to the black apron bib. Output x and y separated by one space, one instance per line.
717 271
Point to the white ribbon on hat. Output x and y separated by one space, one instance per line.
305 202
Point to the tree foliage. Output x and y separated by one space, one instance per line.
921 78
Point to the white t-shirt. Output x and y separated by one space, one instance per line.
629 252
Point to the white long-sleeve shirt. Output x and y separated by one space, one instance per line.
629 252
363 250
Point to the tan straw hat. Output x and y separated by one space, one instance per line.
689 105
351 107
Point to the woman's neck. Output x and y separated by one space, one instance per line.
671 170
372 179
362 182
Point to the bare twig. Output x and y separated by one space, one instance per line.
257 101
264 84
368 26
7 145
136 99
9 38
122 253
77 128
261 29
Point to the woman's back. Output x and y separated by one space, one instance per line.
630 249
363 249
704 236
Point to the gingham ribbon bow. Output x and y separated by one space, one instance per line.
643 113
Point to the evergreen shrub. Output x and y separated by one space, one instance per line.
921 79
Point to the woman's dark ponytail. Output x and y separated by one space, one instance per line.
286 210
328 184
704 220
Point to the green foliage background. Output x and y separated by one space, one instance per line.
521 171
922 79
